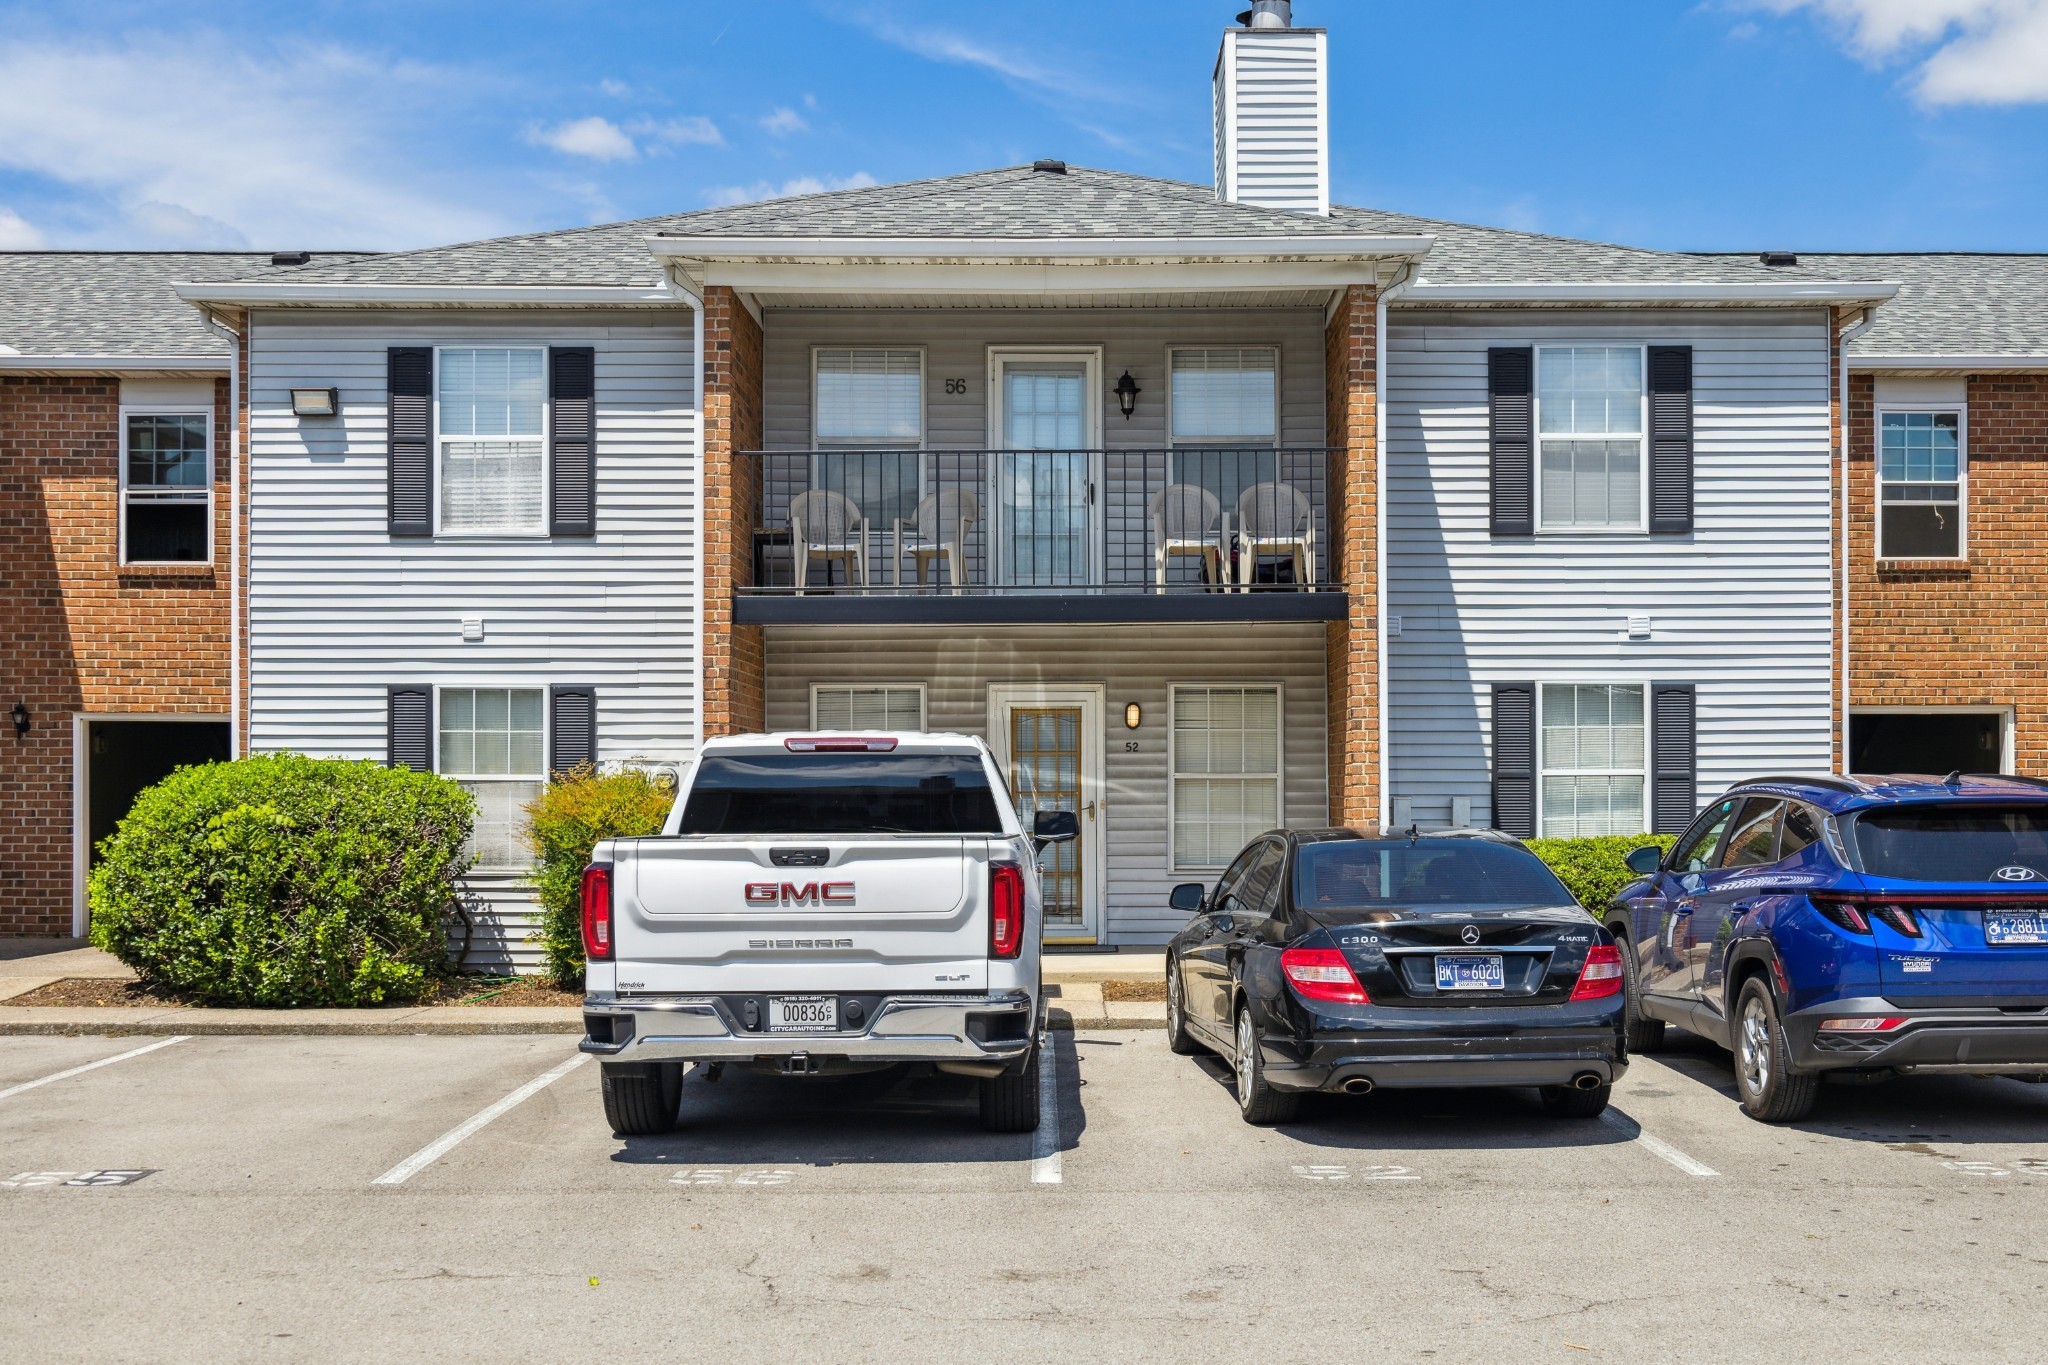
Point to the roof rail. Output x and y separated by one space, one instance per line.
1836 781
2011 777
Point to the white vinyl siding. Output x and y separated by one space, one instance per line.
1739 608
1594 755
339 610
1141 664
490 430
888 710
1226 771
1272 119
1591 466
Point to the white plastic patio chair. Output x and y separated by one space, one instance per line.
828 525
1187 519
936 532
1275 519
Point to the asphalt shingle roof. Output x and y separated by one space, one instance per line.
117 303
1952 303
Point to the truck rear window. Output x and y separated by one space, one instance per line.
1950 843
895 793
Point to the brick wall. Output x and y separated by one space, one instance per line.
1350 351
733 699
1971 634
80 633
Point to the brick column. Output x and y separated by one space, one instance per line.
1350 354
733 702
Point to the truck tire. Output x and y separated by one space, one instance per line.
1009 1102
1764 1079
641 1098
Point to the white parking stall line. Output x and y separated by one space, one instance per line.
1045 1142
93 1066
1656 1146
448 1141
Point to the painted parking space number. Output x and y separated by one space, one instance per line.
2026 1165
1334 1173
728 1175
77 1180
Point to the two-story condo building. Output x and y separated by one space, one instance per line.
1211 507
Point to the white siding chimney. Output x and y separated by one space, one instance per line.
1273 113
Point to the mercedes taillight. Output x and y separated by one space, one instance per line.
1322 974
1601 976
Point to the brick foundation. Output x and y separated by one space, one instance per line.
1350 353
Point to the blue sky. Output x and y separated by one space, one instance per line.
1727 124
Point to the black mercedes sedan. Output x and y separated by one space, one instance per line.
1340 960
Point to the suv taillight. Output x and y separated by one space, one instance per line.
1005 910
1601 976
1855 913
597 913
1322 974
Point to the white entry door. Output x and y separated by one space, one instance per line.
1048 740
1045 422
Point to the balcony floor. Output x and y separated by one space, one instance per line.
1030 608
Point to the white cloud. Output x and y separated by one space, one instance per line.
593 138
1015 68
678 132
785 121
618 90
803 184
16 232
293 147
1968 51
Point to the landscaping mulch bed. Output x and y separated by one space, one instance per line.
527 991
102 993
94 992
1134 990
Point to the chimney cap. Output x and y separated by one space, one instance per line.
1268 14
1048 166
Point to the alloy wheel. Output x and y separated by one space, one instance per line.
1756 1045
1245 1043
1173 1022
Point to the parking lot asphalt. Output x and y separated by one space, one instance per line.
870 1219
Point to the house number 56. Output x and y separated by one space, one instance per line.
956 386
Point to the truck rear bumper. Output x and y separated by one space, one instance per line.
908 1028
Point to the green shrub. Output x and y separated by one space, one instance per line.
572 814
283 880
1592 868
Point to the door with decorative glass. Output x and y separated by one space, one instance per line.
1048 742
1045 425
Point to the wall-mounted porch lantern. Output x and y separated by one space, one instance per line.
19 715
1133 715
1127 392
315 402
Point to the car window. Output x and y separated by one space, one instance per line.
1801 830
1227 884
1262 892
1754 839
903 792
1465 873
1696 850
1947 842
1249 895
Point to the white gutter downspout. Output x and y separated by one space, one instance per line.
1842 340
235 596
696 301
1379 458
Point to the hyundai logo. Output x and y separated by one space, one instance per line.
2016 873
1470 933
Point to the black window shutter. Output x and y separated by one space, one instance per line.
408 417
572 453
1514 759
409 728
1510 398
1674 761
572 727
1670 439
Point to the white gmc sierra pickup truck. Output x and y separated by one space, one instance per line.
821 903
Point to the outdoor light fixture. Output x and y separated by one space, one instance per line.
19 715
1132 715
315 402
1127 392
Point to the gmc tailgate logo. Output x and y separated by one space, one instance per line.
789 893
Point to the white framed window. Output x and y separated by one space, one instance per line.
493 740
166 486
1922 470
490 431
1591 457
1226 395
887 708
1225 760
870 398
1593 752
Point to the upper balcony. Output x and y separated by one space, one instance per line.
1193 533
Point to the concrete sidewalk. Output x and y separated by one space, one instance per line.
1074 984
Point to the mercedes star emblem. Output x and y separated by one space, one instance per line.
1470 933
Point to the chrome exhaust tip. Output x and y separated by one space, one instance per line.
1358 1085
1587 1080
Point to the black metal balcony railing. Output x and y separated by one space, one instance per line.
899 522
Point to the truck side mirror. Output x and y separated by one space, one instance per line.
1054 827
1645 861
1187 896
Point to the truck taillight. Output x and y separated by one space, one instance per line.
597 913
1601 976
1005 910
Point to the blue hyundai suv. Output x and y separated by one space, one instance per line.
1866 925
